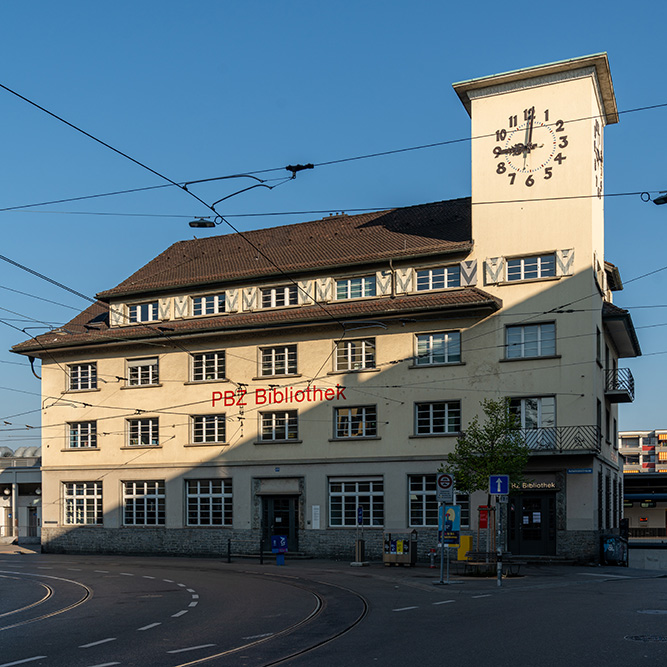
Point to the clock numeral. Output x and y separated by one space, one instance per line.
500 135
560 126
497 151
530 181
512 177
597 128
548 173
546 115
600 192
500 169
563 141
513 121
529 113
559 158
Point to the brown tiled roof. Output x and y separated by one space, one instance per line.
337 240
90 327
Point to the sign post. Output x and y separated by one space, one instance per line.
444 484
499 485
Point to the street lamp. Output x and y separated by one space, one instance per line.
202 223
662 199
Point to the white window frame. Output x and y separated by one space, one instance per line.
279 426
145 499
208 502
143 372
436 417
145 432
207 366
208 304
440 277
277 360
82 503
82 435
438 348
148 311
532 267
356 288
543 407
280 297
355 355
520 337
347 494
423 504
83 376
355 422
208 429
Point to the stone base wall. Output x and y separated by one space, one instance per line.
582 546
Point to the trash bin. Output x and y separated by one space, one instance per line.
613 550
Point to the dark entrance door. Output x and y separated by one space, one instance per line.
280 516
532 524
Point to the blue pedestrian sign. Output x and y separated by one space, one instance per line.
279 544
360 515
499 485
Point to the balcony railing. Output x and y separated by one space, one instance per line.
562 438
619 386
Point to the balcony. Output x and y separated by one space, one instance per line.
619 386
562 439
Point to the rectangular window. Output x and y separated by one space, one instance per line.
528 268
143 432
534 412
82 434
360 422
279 426
211 304
209 502
355 288
355 355
347 495
83 503
208 366
438 348
143 312
141 372
143 503
439 278
423 505
208 428
278 297
278 360
82 376
437 418
531 340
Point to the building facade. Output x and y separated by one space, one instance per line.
302 379
20 495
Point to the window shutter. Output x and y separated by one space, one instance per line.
306 292
324 289
181 306
494 270
404 280
469 273
250 296
383 282
565 262
232 300
164 309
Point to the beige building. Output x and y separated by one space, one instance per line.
274 383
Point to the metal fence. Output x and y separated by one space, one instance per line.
562 438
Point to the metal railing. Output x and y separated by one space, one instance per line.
620 380
562 438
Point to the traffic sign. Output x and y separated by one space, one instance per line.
499 485
444 488
360 515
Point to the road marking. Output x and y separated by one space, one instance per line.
169 581
41 567
106 664
148 627
22 662
268 634
191 648
195 596
182 585
193 604
102 641
102 571
126 574
487 595
74 569
147 577
405 608
606 576
444 602
190 590
180 613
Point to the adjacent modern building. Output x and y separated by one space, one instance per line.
20 495
307 379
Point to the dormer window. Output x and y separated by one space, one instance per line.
211 304
439 278
142 312
278 297
355 288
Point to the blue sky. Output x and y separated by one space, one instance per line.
205 89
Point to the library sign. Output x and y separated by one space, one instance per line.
276 396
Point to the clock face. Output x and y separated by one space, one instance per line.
529 147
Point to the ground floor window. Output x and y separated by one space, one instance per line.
423 503
83 503
143 503
347 495
209 502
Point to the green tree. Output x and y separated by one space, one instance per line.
494 447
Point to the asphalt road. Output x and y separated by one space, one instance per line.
98 611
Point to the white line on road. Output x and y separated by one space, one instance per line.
606 576
126 574
191 648
444 602
42 567
22 662
102 641
106 664
195 596
74 569
405 608
193 604
487 595
102 571
190 590
182 585
180 613
147 577
267 634
148 627
169 581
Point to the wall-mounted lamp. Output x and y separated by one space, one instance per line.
7 491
